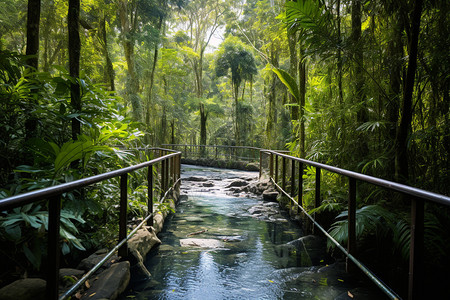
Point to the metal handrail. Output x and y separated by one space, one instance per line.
53 196
417 213
86 276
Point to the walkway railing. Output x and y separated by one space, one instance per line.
169 162
225 152
279 173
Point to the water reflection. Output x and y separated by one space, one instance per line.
255 263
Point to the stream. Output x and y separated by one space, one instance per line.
224 243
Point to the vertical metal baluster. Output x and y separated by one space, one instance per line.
271 165
150 194
260 164
283 173
163 177
416 252
300 184
53 251
292 185
317 198
351 245
167 174
276 168
123 251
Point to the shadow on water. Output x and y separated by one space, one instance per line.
249 258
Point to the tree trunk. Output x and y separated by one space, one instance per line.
395 50
339 54
74 62
109 70
293 63
128 47
302 102
358 79
148 105
404 130
203 119
172 141
33 19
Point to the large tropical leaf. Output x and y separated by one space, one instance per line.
303 13
288 81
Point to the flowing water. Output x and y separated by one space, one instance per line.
214 248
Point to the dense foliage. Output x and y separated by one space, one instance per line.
359 84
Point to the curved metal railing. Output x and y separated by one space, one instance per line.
169 173
418 196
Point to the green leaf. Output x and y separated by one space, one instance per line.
33 256
65 249
14 232
289 82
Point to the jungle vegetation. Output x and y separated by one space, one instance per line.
358 84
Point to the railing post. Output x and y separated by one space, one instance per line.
317 198
271 165
123 251
416 251
54 214
300 184
163 177
260 164
167 175
292 178
150 194
276 168
351 244
283 173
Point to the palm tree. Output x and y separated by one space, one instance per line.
233 56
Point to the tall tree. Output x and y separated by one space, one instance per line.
404 129
33 20
73 19
202 19
358 75
241 63
129 18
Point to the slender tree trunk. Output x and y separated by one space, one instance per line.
173 132
339 54
236 113
302 102
293 71
148 106
358 78
404 130
33 20
74 62
128 47
109 70
395 50
203 119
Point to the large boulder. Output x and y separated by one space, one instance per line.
139 245
270 195
158 222
89 262
195 179
24 289
237 183
110 283
201 243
